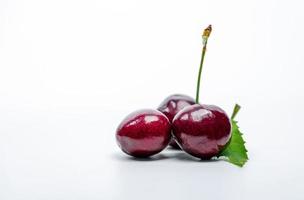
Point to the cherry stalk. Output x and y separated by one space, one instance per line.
205 37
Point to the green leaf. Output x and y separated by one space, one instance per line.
235 152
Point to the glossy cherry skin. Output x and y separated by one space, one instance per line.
172 105
144 133
202 130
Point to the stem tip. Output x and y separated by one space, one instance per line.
207 31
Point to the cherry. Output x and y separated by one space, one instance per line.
144 133
202 130
171 106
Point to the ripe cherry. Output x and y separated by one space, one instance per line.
144 133
202 130
171 106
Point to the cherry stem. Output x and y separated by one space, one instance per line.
205 37
236 109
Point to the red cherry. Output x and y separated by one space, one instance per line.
144 133
171 106
202 130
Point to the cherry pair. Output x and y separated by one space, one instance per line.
200 130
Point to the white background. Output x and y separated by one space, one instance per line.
71 70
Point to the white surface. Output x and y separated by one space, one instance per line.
71 70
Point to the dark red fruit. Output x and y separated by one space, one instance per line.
172 105
202 130
144 133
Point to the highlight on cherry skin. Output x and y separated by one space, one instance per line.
202 130
171 106
144 133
